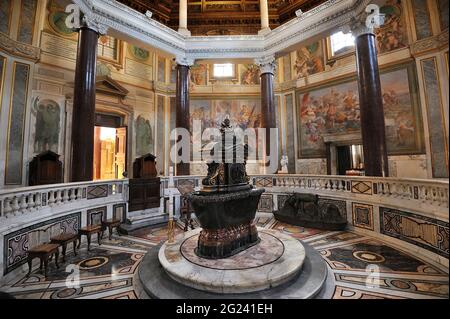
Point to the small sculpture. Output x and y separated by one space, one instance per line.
284 164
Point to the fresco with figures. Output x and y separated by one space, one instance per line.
198 74
250 74
335 110
144 136
309 60
243 113
392 35
48 125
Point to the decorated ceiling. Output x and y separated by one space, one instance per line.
224 17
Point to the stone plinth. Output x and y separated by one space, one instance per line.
276 260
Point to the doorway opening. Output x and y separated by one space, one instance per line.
110 149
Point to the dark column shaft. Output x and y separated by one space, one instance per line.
371 106
268 108
182 112
83 121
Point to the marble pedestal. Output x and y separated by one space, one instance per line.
277 259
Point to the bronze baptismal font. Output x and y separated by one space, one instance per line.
227 204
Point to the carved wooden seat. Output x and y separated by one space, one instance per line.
88 231
65 239
111 224
43 252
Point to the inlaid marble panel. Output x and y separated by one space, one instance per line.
96 216
27 18
443 11
422 19
17 244
5 11
290 134
287 67
428 233
14 154
160 127
161 69
439 151
362 216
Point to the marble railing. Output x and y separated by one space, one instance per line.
432 193
57 197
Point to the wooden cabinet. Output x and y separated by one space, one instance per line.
145 187
45 168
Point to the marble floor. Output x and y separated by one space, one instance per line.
363 268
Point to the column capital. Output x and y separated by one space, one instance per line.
266 64
184 61
94 24
367 21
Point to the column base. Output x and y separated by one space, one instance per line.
184 32
264 31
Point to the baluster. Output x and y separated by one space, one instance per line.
7 206
15 205
79 193
23 203
58 197
31 203
51 198
66 195
38 200
72 194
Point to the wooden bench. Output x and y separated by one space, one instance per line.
43 252
63 240
111 224
89 231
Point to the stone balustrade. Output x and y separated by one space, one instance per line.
58 197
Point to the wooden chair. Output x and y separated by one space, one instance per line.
111 224
64 239
88 231
44 252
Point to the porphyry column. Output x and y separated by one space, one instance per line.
370 101
268 108
182 105
83 120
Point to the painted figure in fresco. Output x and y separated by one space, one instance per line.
392 34
245 116
198 74
48 126
308 62
144 138
251 75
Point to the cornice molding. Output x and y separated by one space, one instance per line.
126 22
434 43
19 49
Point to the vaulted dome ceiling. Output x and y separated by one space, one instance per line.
224 17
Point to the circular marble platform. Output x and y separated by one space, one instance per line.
307 283
274 261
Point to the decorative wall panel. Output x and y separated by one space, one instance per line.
17 244
161 69
160 128
97 191
5 15
287 67
362 216
324 203
120 212
436 126
14 152
290 134
443 12
27 19
96 216
266 203
2 76
422 19
428 233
